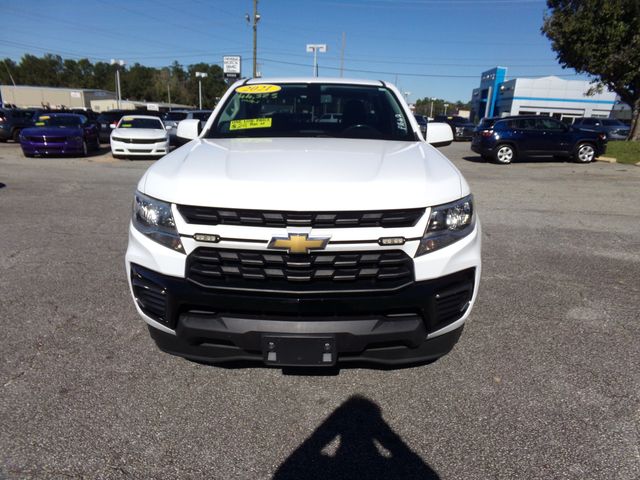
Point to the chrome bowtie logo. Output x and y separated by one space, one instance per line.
299 243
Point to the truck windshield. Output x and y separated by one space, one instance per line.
312 110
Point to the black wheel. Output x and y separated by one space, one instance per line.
585 153
28 155
504 154
15 136
96 145
85 148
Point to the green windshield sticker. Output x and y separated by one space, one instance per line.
125 125
250 123
39 124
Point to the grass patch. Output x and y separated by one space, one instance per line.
624 152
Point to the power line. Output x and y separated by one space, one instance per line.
404 74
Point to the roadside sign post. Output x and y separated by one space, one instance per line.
231 67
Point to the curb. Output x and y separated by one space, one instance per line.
608 159
615 160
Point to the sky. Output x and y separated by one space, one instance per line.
429 48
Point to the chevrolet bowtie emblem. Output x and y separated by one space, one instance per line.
299 243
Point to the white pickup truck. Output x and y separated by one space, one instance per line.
275 237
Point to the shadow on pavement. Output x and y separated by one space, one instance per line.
354 442
475 159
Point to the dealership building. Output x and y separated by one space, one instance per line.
565 100
51 97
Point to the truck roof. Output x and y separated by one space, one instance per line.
337 80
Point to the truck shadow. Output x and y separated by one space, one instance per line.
354 442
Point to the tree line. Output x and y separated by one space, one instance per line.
138 82
423 106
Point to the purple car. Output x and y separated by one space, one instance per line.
59 134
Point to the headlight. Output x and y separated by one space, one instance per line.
154 219
459 130
447 224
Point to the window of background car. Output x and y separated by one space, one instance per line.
60 120
175 116
612 123
132 122
549 124
204 116
297 110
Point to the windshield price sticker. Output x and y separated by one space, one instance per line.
250 123
44 117
258 89
125 125
127 119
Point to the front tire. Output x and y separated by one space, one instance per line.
504 154
85 148
15 136
585 153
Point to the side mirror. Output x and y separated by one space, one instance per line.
188 129
112 125
439 134
168 127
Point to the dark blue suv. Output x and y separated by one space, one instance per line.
505 139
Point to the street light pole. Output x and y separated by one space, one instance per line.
445 108
118 64
433 99
315 48
200 76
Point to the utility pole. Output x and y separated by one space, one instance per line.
256 18
433 99
342 53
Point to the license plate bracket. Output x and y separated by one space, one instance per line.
299 350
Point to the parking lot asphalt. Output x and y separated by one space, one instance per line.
544 383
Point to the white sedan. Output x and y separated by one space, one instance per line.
140 136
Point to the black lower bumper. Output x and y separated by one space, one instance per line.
286 328
233 340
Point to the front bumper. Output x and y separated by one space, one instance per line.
157 149
377 326
392 327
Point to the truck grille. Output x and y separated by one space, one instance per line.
279 271
264 218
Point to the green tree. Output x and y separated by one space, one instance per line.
601 38
423 106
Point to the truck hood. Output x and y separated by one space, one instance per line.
304 174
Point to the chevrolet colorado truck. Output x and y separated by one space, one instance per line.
276 237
